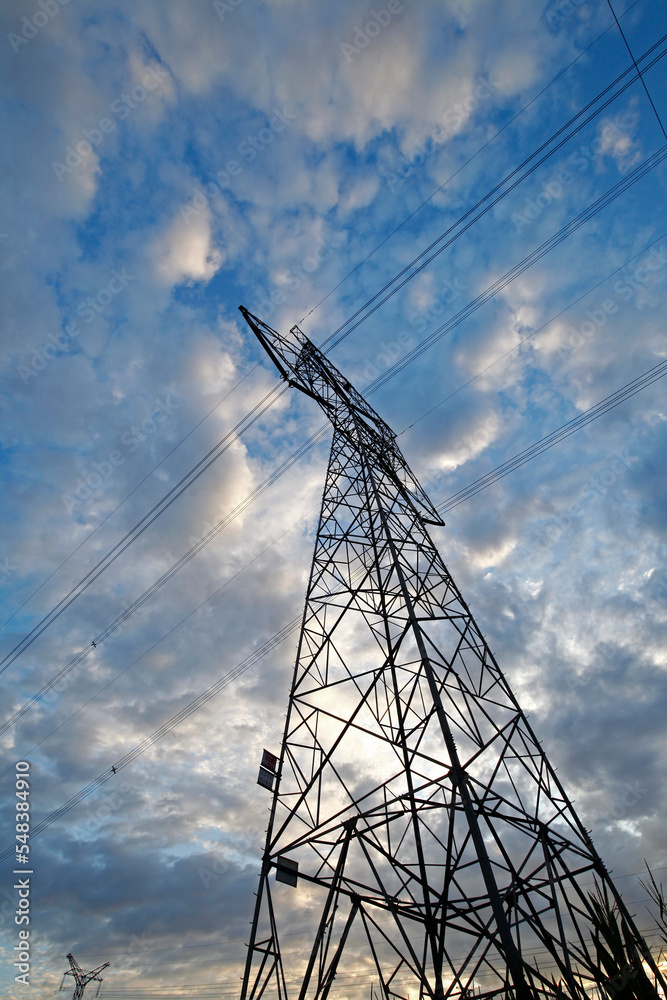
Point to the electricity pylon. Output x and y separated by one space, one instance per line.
418 830
81 978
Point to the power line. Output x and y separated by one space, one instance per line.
350 273
423 260
157 642
544 444
368 974
255 657
128 612
446 328
464 165
162 731
530 336
175 568
603 202
131 536
245 423
643 81
131 493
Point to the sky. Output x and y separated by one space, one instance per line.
166 162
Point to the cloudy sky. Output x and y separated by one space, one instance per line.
167 161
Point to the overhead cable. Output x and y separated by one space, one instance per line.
259 654
271 397
624 184
547 442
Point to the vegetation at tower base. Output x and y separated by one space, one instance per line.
619 954
430 839
657 895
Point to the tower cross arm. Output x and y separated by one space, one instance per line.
95 974
81 977
303 366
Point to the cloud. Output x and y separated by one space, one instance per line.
615 140
186 252
562 561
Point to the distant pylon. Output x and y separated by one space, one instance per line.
418 830
81 978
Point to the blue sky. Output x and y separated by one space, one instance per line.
166 162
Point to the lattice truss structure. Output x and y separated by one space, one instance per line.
81 978
436 848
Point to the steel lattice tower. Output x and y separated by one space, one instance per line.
81 978
423 834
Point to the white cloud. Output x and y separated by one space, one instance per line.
470 442
280 234
615 140
186 251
